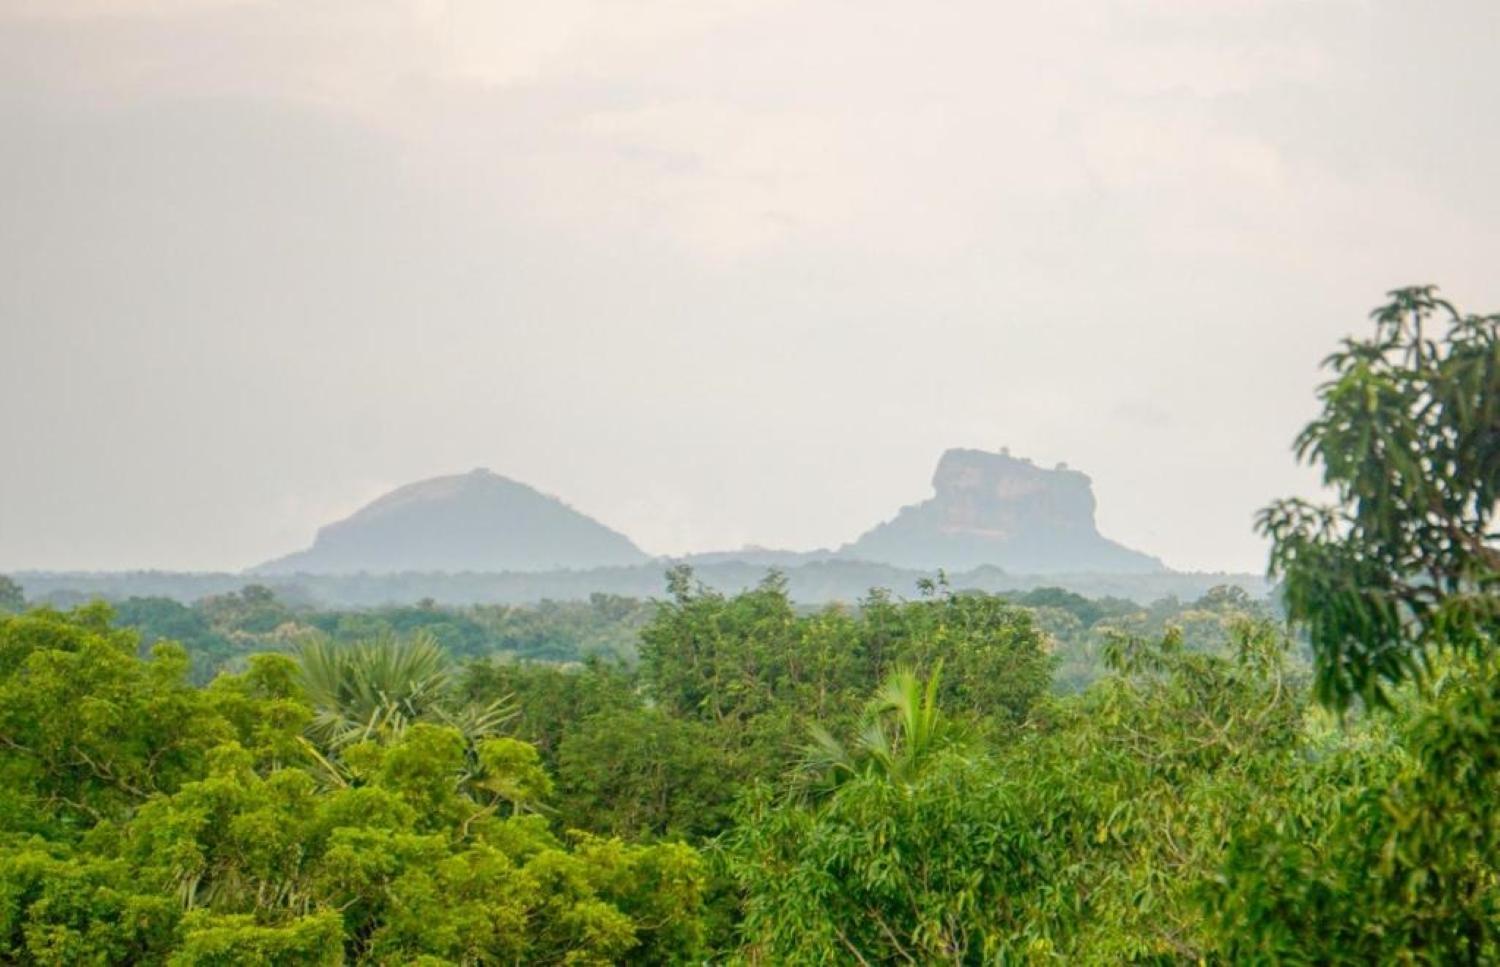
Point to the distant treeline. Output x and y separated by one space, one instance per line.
220 631
814 582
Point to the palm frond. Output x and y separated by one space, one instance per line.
374 690
900 728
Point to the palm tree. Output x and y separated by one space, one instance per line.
373 690
900 729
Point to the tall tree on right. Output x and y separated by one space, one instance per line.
1396 583
1404 564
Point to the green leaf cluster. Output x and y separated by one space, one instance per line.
150 821
1404 564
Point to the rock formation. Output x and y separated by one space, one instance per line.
477 521
992 508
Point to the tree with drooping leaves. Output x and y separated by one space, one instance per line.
1405 562
1397 585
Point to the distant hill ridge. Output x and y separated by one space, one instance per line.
987 510
477 521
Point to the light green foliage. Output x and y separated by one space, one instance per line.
267 710
900 729
60 908
417 856
995 661
88 730
511 771
724 659
145 820
210 939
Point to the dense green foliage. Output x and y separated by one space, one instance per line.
148 820
961 778
1397 584
1403 565
1390 852
726 688
1083 839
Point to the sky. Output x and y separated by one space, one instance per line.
716 273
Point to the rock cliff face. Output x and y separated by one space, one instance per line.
992 508
476 521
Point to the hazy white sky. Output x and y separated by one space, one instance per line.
714 272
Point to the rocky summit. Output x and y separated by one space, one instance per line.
478 521
993 508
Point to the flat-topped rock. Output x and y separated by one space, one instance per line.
993 508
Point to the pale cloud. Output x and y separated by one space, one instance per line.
112 10
722 179
721 272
